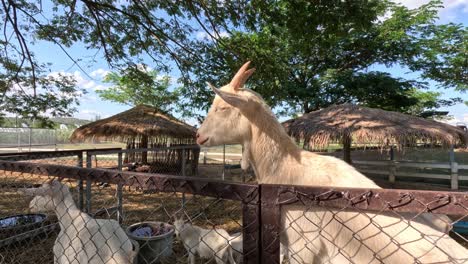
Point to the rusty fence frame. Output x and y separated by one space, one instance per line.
247 194
261 203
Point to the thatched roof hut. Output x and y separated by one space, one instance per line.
139 122
145 127
347 122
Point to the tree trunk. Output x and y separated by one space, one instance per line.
347 148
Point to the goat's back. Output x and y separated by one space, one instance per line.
325 235
93 241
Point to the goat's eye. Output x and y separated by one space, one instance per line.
221 109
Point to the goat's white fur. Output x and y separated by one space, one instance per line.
41 204
235 241
207 243
317 234
82 239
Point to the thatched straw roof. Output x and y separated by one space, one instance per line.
369 126
137 122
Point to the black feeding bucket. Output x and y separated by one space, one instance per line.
22 226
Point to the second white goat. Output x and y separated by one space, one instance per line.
82 239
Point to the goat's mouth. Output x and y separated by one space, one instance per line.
201 141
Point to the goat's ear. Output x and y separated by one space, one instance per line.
233 99
241 76
177 218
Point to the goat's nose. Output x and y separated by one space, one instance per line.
198 135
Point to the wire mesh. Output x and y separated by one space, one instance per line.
179 160
377 226
25 138
137 226
224 162
219 222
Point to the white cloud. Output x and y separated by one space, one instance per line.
202 35
448 13
89 114
99 73
82 81
463 118
144 67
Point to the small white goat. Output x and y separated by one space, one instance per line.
207 243
82 239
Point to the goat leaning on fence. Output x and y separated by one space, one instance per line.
318 234
82 239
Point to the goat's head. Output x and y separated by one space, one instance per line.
178 225
47 190
227 122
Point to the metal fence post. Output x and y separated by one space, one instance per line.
80 182
183 174
55 140
251 242
392 171
119 192
224 162
30 132
88 184
270 222
451 154
454 176
205 152
18 131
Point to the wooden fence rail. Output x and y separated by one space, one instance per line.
391 168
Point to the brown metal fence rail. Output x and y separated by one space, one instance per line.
293 224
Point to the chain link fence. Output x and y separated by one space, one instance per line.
131 219
339 225
25 138
158 218
224 162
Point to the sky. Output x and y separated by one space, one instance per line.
91 106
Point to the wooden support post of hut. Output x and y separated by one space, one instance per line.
347 148
144 144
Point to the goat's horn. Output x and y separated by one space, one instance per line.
236 81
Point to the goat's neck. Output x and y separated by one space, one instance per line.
65 208
270 148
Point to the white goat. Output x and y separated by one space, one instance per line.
41 204
318 234
235 241
207 243
82 239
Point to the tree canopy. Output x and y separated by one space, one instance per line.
138 85
309 54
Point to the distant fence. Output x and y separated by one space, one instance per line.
443 171
252 212
26 138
